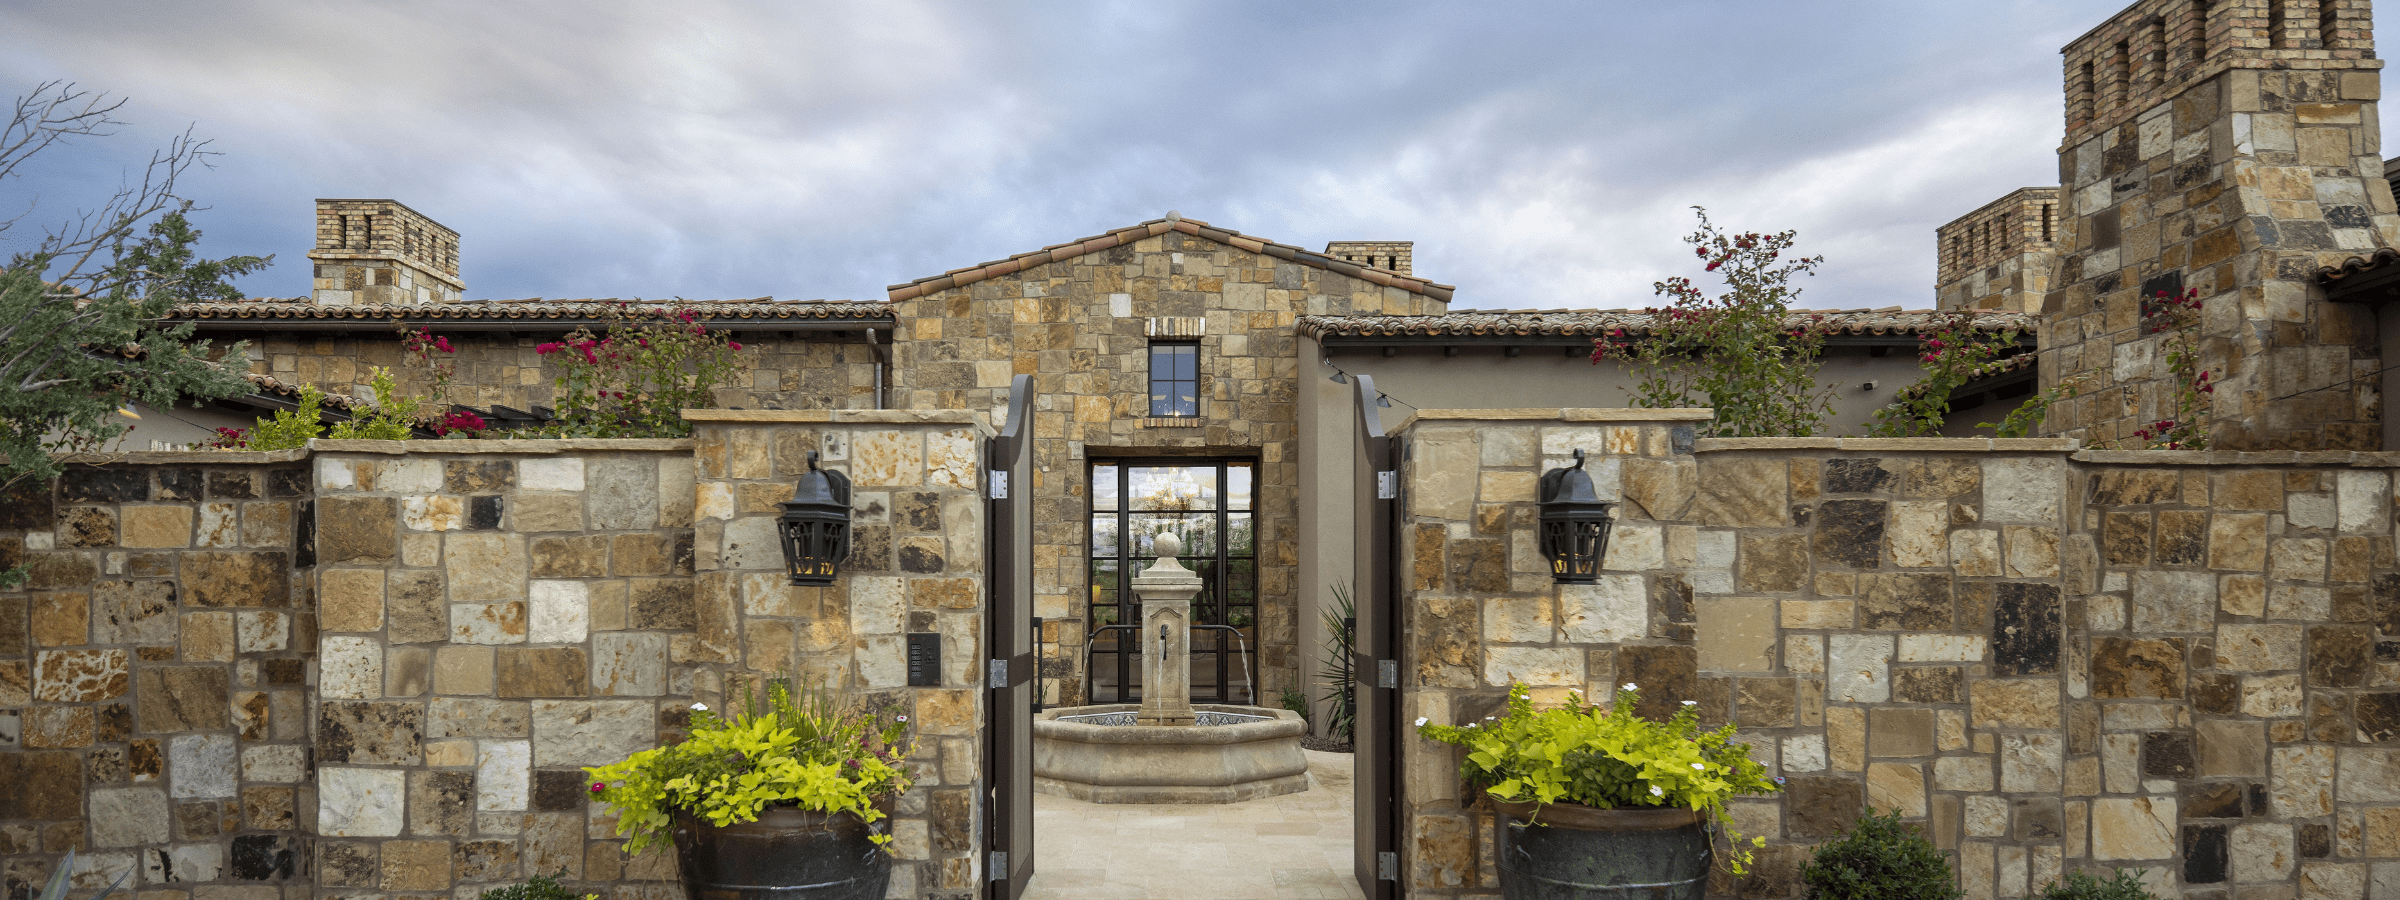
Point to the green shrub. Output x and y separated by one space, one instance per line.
1881 858
2085 886
391 419
289 430
539 887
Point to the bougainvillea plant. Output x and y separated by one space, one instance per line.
635 381
1952 353
1741 352
2184 426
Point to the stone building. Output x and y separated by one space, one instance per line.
371 669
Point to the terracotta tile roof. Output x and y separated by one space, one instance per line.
268 384
1594 322
2331 275
1122 236
1981 376
529 311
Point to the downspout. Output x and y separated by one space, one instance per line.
880 360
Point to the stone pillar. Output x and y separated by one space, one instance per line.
1166 589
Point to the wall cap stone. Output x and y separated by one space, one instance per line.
1568 414
528 446
174 457
1891 445
838 416
2354 458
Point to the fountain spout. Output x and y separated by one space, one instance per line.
1167 589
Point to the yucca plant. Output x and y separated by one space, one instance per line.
1341 643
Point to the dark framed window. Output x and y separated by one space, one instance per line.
1207 503
1174 379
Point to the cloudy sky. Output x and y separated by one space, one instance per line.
1539 154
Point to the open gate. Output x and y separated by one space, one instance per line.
1376 664
1008 632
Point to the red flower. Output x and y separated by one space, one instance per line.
737 345
443 344
1713 266
460 420
599 786
549 348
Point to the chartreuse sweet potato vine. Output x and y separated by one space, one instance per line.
1609 758
798 748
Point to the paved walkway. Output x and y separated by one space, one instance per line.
1292 846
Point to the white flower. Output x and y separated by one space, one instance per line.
904 718
1655 792
1630 687
703 707
1700 767
1421 720
1691 703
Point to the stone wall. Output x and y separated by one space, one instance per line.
154 677
2233 156
1080 326
916 565
376 668
804 370
495 616
2047 659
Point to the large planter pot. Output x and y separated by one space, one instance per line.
1581 853
788 854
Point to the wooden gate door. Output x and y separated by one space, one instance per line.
1008 632
1376 665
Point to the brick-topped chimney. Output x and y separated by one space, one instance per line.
1390 256
2228 146
2000 256
379 252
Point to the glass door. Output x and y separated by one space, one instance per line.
1207 503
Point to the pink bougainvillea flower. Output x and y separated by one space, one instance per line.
737 345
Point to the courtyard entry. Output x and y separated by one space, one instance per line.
1207 503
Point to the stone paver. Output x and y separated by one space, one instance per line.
1294 846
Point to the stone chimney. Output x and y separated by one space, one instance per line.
2229 147
378 252
2000 256
1390 256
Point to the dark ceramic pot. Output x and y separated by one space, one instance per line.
788 854
1581 853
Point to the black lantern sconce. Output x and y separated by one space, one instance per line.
815 525
1575 525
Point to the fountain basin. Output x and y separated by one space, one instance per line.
1236 753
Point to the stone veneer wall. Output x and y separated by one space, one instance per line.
154 677
495 615
916 565
1080 327
819 370
197 688
2048 659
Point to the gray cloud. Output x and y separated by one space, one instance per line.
1540 154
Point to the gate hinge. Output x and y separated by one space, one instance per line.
999 865
998 673
1387 867
1387 485
999 485
1387 673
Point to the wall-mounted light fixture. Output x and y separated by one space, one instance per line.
1575 525
815 525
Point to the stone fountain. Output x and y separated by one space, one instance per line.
1167 750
